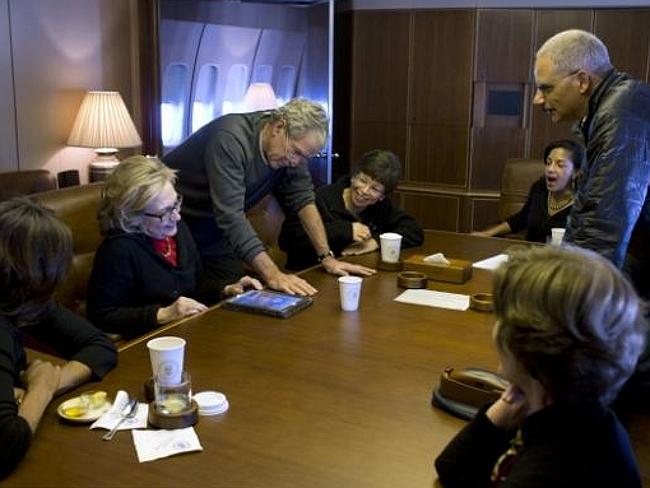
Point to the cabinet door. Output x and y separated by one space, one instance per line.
503 67
626 33
549 23
379 82
440 97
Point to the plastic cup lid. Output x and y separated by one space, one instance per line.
210 400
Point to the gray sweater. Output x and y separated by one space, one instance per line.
222 174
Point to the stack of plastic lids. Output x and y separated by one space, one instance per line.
211 402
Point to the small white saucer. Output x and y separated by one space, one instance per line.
211 402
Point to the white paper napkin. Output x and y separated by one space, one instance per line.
156 444
110 418
430 298
491 263
437 258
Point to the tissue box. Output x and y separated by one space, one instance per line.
458 270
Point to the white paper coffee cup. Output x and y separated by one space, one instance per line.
557 236
390 246
350 292
166 354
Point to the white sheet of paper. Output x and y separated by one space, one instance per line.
431 298
491 263
156 444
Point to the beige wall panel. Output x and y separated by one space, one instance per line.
61 50
8 159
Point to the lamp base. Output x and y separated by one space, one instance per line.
105 161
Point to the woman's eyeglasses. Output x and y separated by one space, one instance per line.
167 213
370 185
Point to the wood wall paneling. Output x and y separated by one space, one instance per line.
431 211
377 135
380 66
549 23
503 49
443 42
626 33
490 149
485 213
438 155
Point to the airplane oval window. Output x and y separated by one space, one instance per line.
204 107
286 84
263 73
174 94
235 89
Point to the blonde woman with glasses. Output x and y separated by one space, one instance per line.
147 272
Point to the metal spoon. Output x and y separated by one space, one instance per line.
131 410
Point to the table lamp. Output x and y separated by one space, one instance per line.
103 123
260 96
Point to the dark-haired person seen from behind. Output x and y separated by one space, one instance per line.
147 271
229 165
355 210
35 253
550 198
569 329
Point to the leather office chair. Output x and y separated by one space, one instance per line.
266 218
17 183
517 177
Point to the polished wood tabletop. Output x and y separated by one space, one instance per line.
323 399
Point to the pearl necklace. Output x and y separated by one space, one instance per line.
555 205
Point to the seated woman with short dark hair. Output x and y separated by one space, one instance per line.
550 198
355 210
147 271
35 254
569 331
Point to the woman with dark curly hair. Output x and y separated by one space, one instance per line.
550 198
35 253
569 331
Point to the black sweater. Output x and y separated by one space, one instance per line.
70 335
130 281
534 215
380 217
564 447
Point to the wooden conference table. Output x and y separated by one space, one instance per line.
323 399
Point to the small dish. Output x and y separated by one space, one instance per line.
84 408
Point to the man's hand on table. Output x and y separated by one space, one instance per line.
290 283
341 268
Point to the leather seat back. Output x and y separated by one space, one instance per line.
517 177
77 207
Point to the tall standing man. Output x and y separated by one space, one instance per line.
233 162
577 82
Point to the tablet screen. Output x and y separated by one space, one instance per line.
266 300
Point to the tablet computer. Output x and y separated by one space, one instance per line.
273 303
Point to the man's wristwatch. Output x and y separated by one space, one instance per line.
328 254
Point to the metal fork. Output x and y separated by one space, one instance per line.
131 411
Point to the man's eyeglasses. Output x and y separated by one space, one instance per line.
294 152
370 185
546 88
167 213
